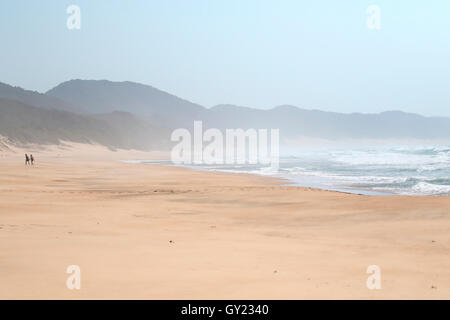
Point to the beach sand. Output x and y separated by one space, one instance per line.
154 232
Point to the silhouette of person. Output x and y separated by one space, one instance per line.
31 159
27 159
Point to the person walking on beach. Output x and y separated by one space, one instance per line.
31 159
27 159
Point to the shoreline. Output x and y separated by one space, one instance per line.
160 232
288 181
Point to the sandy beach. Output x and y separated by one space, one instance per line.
154 232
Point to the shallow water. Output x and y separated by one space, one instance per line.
380 171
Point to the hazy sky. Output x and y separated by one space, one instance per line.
259 53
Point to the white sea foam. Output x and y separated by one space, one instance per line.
401 170
428 188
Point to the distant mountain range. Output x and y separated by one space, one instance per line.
133 115
36 99
105 96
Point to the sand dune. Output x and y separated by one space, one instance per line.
154 232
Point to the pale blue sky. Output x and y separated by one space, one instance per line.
313 54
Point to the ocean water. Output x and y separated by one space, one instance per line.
376 171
